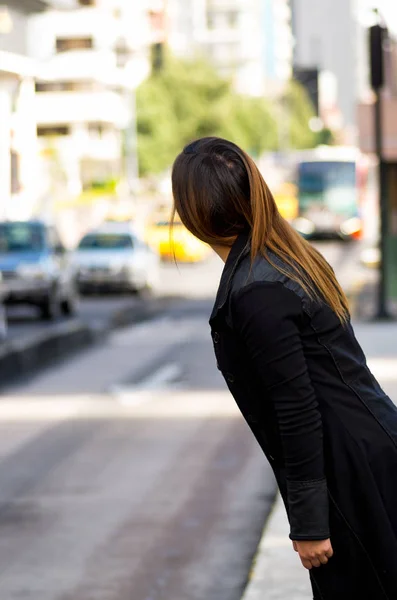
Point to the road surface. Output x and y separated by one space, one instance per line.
126 473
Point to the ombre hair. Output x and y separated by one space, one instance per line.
219 193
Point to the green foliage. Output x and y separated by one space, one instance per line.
188 100
326 137
299 111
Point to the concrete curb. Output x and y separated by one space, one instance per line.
19 358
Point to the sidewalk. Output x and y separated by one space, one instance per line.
277 573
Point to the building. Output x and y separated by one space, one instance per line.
18 151
326 40
91 60
248 41
277 43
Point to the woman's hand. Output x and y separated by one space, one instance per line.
314 553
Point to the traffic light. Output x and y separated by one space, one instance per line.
377 37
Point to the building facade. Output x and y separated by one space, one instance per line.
326 38
248 41
18 151
277 43
91 60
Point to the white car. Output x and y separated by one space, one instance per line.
114 258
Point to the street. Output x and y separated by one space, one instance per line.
126 471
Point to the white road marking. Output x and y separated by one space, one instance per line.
135 395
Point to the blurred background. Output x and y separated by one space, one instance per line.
125 470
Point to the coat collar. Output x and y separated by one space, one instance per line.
240 248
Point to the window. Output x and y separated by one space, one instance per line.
232 18
67 44
211 20
50 130
21 237
96 129
66 86
106 241
123 52
328 183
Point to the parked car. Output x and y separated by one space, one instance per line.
113 257
36 268
182 245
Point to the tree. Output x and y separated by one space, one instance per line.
187 100
298 110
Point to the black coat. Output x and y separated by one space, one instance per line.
327 428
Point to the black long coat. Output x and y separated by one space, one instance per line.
327 428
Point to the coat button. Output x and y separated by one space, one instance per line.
230 377
216 337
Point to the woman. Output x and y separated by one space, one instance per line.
284 343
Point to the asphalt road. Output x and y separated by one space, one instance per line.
126 473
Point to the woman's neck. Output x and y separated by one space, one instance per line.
222 251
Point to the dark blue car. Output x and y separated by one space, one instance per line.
36 268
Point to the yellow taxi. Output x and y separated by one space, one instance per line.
286 198
176 243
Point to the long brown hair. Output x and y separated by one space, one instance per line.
219 192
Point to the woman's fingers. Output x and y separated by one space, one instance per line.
314 553
306 563
315 562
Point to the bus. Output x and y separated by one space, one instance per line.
335 192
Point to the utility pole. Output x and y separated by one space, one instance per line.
377 37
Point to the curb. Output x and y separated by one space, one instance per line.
277 572
19 358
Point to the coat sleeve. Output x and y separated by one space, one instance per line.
266 318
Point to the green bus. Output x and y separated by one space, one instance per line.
332 192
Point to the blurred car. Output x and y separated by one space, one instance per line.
36 268
113 257
286 199
181 245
